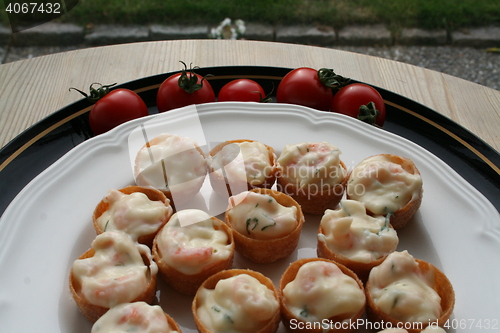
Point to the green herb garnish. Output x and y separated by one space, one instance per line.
269 225
228 318
249 221
395 301
387 223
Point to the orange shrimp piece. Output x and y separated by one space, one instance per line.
194 255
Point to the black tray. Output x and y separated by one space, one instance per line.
38 147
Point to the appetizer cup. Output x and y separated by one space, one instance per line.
173 164
312 174
402 187
435 279
351 237
128 317
256 246
230 171
183 260
241 300
318 276
109 294
142 227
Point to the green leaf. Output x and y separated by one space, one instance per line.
188 81
332 80
368 113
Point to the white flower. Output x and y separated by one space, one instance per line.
227 30
240 27
226 21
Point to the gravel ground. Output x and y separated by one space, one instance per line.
472 64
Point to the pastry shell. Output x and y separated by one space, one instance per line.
172 323
287 316
403 215
211 282
314 202
93 312
442 286
219 183
265 251
152 194
188 284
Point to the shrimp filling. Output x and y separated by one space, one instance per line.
116 273
195 247
133 213
354 234
237 304
382 185
311 164
260 216
322 291
243 161
400 289
133 317
172 163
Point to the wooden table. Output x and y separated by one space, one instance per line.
33 89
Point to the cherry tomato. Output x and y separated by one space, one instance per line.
350 98
242 90
302 86
115 108
183 89
112 107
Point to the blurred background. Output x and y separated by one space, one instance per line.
458 37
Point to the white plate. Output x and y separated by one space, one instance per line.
48 225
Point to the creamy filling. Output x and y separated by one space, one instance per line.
260 216
243 161
402 291
382 185
174 163
133 317
116 273
311 164
321 291
133 214
196 246
237 304
352 233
